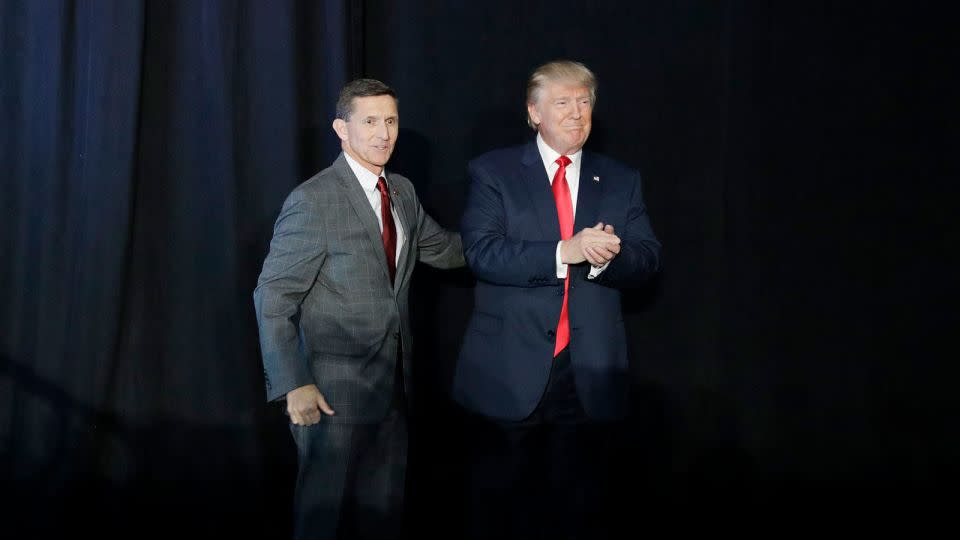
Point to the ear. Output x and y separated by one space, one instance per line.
533 113
340 128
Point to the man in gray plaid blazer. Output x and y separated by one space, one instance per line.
332 307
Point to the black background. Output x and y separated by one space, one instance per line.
796 355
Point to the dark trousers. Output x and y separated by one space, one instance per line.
542 477
350 477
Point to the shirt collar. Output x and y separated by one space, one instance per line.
549 155
367 179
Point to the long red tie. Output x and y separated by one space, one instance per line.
389 233
561 194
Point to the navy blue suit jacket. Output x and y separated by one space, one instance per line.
510 231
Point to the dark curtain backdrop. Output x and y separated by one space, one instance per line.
146 149
796 355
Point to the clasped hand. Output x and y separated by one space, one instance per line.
596 245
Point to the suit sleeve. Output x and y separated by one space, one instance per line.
297 252
639 257
437 246
491 254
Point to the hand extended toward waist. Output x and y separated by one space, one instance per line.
305 405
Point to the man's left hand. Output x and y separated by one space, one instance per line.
601 254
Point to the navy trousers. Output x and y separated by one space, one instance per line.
542 477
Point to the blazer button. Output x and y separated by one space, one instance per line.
396 335
551 333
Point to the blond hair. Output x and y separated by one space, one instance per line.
559 71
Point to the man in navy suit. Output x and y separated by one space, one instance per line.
552 233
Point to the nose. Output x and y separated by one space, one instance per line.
576 109
383 131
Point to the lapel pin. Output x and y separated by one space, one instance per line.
596 178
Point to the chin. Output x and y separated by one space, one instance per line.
575 143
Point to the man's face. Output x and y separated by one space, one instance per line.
563 112
371 132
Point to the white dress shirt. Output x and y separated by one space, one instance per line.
368 181
549 157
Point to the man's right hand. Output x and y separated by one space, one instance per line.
305 404
599 238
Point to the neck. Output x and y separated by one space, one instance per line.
370 167
559 150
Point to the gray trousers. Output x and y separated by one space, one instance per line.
350 477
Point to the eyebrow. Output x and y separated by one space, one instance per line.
584 96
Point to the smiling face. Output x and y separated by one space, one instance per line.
369 133
562 113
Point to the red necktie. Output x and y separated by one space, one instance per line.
389 233
561 194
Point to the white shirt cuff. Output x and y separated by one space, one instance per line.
561 267
596 270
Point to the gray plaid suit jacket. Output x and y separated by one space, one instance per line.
325 307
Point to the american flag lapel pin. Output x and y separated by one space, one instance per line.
596 178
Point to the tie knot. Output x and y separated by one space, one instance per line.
382 186
563 161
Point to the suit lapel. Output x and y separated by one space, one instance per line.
400 207
541 196
588 202
361 205
588 195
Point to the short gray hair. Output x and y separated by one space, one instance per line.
360 88
556 71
